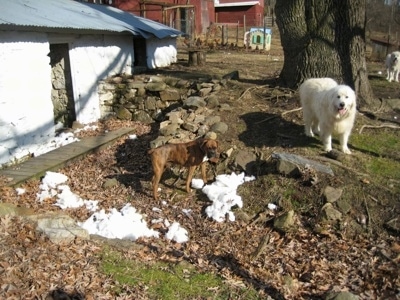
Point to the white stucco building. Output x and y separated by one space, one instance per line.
83 43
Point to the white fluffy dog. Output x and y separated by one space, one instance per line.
328 108
392 64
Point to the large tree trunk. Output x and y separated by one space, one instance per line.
325 39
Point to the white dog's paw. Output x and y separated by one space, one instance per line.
327 148
310 134
346 150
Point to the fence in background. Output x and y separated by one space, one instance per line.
231 34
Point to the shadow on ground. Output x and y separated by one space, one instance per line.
133 164
271 130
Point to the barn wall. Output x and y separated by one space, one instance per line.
26 109
235 14
203 16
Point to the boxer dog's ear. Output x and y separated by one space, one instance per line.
203 145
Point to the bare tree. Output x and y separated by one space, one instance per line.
325 39
380 15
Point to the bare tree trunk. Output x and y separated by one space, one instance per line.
325 39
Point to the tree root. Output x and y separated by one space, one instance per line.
379 126
289 111
338 163
282 114
267 119
252 88
261 247
369 220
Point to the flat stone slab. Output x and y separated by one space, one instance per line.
36 167
302 161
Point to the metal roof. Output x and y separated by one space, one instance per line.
267 30
73 15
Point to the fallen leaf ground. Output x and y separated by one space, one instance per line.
303 263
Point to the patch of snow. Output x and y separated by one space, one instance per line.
62 139
133 136
272 206
128 223
197 183
53 185
125 224
177 233
86 128
222 194
20 191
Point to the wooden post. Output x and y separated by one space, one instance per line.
244 33
237 34
197 57
264 35
178 19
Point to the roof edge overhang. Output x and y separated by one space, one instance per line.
76 17
12 27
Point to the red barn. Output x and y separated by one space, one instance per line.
248 13
192 17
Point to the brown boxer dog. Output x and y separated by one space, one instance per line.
190 155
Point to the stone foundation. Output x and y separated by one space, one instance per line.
185 109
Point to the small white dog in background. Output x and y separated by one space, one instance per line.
328 108
392 64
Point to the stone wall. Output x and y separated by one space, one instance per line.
61 93
185 108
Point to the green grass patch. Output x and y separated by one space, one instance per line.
382 150
386 142
169 281
384 167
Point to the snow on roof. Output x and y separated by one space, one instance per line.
74 15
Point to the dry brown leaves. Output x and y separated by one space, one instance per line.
31 266
297 265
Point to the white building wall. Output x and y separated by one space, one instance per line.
26 109
161 53
95 57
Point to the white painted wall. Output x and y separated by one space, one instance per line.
161 53
92 58
26 110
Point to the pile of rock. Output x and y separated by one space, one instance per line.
185 109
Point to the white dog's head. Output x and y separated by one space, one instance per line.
343 100
395 59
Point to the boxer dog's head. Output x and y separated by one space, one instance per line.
210 148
